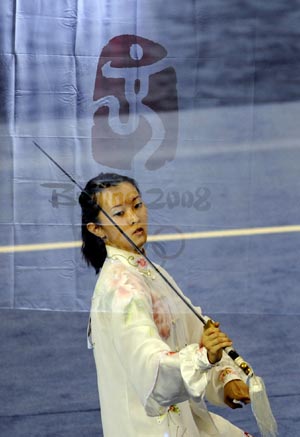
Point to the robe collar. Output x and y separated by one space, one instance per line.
129 258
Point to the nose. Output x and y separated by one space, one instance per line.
133 217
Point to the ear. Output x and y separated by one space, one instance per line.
96 230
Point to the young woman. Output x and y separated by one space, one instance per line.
155 362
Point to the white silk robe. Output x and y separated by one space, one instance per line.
152 375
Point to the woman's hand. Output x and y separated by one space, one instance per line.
214 340
236 390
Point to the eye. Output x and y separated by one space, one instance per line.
119 213
138 205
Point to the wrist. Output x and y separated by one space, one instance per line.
214 358
202 360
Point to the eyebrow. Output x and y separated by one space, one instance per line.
121 204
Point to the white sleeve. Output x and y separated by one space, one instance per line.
182 375
224 372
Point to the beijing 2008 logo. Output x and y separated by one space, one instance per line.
135 105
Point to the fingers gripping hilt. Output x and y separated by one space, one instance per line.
232 353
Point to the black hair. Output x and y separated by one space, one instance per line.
93 247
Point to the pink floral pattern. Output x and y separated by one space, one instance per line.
142 262
226 372
166 415
127 292
161 315
124 283
129 296
174 409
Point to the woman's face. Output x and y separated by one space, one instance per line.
124 204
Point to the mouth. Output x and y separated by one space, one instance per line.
139 231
